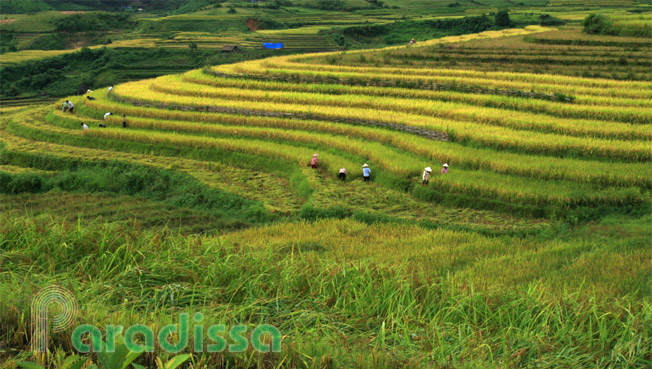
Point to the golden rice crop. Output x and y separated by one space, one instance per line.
214 174
475 183
512 149
502 162
454 106
282 67
499 137
201 78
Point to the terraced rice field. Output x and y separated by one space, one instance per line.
469 268
513 148
568 52
305 40
20 56
87 207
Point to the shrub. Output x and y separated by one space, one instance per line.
52 41
27 182
597 24
548 20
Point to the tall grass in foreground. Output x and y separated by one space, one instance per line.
333 310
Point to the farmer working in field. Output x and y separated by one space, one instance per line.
107 114
64 106
426 176
124 121
342 174
444 170
84 126
313 162
71 107
366 173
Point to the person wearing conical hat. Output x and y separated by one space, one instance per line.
314 161
426 176
366 173
444 169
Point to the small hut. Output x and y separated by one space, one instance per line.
229 48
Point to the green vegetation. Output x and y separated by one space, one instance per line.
33 6
7 42
132 180
23 6
97 21
531 251
502 18
330 4
337 306
52 41
603 25
568 52
403 32
107 66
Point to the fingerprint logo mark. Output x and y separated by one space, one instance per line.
56 303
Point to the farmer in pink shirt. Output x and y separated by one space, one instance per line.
444 170
313 162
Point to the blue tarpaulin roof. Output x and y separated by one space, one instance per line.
271 45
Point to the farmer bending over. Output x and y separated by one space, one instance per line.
426 176
342 174
313 162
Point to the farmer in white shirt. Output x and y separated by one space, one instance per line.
426 176
106 115
366 173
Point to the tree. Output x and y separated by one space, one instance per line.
330 4
502 18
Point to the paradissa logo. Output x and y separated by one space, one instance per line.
260 337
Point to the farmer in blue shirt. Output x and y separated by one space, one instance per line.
366 173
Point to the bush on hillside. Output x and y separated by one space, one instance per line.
549 20
52 41
597 24
7 42
99 21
